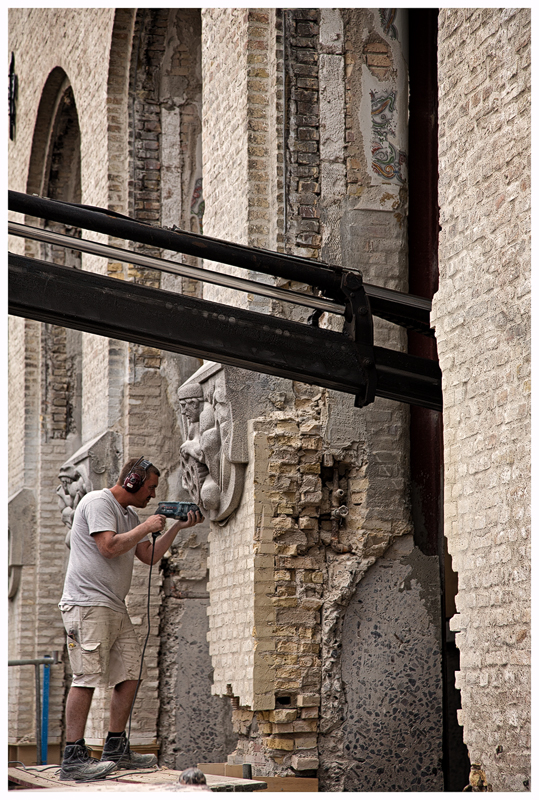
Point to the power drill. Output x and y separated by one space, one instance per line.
176 509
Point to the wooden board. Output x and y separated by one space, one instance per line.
276 784
160 780
290 784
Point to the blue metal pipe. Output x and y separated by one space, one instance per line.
45 714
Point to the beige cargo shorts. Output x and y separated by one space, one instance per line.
103 647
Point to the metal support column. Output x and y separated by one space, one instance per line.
42 708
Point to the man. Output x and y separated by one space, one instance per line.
103 647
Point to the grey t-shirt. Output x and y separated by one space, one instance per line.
92 579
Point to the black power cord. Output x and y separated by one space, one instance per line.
155 534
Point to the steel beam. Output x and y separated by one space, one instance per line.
164 265
156 318
402 309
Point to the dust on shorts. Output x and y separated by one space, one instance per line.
103 647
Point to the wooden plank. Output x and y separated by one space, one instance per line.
212 769
214 782
274 784
234 770
290 784
32 778
162 779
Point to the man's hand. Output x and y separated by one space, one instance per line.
193 518
144 549
155 523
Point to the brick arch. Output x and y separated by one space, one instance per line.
55 172
55 160
52 110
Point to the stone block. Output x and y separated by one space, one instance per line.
305 742
278 743
278 728
308 700
304 763
283 715
309 713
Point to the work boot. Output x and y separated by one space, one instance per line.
117 749
78 765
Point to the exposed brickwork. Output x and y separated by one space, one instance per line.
21 680
24 337
242 134
284 577
145 126
54 389
54 376
224 77
16 420
482 317
303 155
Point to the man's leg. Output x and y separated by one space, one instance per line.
120 704
78 705
77 765
125 667
117 745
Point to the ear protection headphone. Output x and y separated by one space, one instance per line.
135 479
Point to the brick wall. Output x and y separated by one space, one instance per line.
17 421
242 136
231 566
481 313
303 155
315 431
23 415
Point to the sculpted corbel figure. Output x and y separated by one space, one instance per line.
72 487
95 465
198 417
213 480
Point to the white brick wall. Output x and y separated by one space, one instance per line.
482 318
231 588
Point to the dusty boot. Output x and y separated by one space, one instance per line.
78 765
117 749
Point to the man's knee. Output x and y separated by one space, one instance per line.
125 686
79 701
81 692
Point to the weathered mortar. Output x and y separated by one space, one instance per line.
482 318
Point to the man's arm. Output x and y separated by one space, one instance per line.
111 544
144 549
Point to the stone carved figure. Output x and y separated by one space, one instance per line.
94 466
72 488
210 472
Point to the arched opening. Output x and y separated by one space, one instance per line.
55 173
166 126
164 174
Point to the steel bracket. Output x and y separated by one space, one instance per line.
358 326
